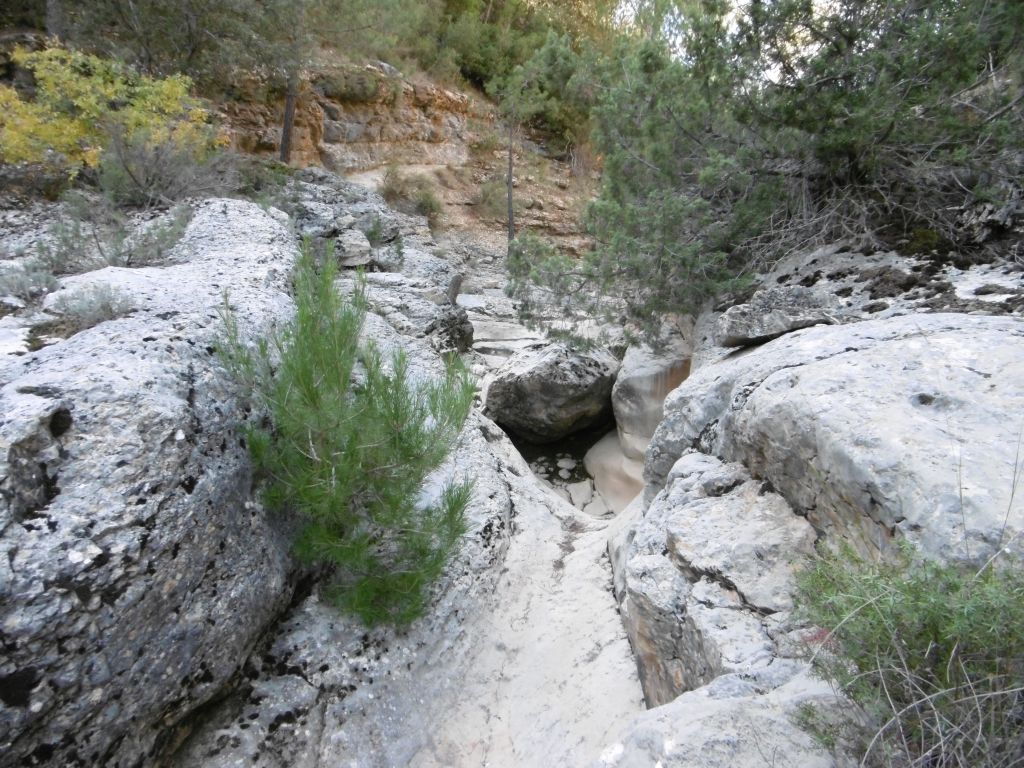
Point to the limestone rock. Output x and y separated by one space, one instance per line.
873 284
421 265
546 393
325 206
618 479
137 569
903 427
353 249
772 312
325 691
698 574
581 493
703 729
645 378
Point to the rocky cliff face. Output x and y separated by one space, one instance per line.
151 614
350 118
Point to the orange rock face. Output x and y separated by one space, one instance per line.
352 119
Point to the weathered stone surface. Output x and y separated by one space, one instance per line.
872 284
415 307
706 729
700 572
581 493
618 479
137 570
325 206
361 118
353 249
772 312
418 264
905 427
547 393
530 611
645 378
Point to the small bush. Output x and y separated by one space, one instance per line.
137 171
492 199
375 233
265 182
91 306
412 194
486 144
353 439
933 654
28 279
92 233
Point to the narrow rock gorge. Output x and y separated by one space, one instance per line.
623 596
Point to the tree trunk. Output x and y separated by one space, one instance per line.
54 19
511 208
290 98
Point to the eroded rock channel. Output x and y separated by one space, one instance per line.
623 596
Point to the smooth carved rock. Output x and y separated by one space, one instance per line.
772 312
905 427
547 393
645 378
698 574
137 570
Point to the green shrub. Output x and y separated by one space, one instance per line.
492 199
91 306
412 194
137 171
265 182
352 442
81 100
91 233
933 655
27 279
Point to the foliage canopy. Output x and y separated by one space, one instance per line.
81 101
733 133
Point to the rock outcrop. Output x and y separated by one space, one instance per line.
888 424
350 118
720 727
772 312
546 393
704 578
905 427
522 626
138 571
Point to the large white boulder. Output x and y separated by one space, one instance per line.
907 427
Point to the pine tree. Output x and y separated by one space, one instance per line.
352 442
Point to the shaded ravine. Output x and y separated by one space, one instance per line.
540 673
539 670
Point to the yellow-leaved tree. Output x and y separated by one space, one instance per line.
81 102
